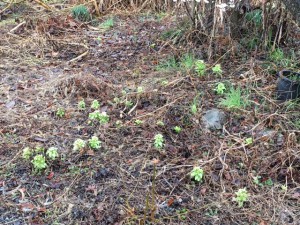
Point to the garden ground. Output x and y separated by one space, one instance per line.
54 62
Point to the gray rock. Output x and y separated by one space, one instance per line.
214 119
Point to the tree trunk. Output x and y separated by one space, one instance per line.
293 6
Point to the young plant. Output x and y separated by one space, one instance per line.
220 88
160 123
95 104
177 129
167 64
39 162
140 90
249 141
81 13
60 112
78 144
101 117
128 104
107 24
197 174
217 69
234 99
52 153
27 153
159 141
194 108
200 67
256 180
188 61
81 105
138 122
94 143
242 196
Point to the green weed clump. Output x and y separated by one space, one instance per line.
168 64
39 157
242 196
197 174
81 13
107 24
234 99
159 141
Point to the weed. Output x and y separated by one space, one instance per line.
60 112
81 105
95 104
217 69
194 108
118 123
188 61
52 153
164 83
94 142
160 123
101 117
167 65
242 196
27 153
81 13
128 104
256 180
197 174
269 182
211 212
171 34
248 141
220 88
177 129
107 24
140 90
158 141
255 17
283 187
200 67
138 122
234 99
277 55
39 162
78 144
182 213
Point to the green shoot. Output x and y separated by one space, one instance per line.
220 88
200 67
234 99
138 122
39 163
158 141
160 123
94 143
60 112
242 196
27 153
95 104
107 24
188 61
81 105
52 153
81 13
177 129
78 145
248 141
217 69
197 174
